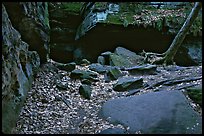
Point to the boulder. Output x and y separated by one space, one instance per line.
82 74
142 69
129 55
163 112
85 91
116 60
128 83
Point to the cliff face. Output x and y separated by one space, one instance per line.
32 21
22 30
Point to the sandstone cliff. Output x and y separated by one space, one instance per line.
25 39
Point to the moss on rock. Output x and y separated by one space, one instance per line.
195 93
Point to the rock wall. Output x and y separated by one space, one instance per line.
63 46
31 19
18 63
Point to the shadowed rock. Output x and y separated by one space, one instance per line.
162 112
142 69
128 83
85 91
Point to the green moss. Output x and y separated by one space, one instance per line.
100 4
113 19
195 93
149 16
73 7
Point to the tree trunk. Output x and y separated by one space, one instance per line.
170 53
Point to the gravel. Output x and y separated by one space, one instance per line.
44 112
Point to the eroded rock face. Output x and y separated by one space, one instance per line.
18 68
31 20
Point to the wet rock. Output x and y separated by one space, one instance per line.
164 112
128 83
82 74
113 131
142 69
85 91
195 93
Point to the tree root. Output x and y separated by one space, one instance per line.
156 58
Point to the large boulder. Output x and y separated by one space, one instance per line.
122 57
18 67
117 60
129 55
164 112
